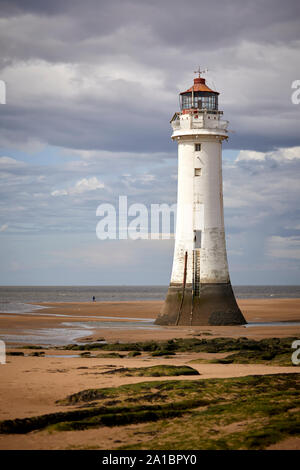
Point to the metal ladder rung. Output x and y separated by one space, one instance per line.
196 272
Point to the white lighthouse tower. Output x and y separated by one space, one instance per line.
200 291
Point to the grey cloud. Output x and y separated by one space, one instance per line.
140 59
212 22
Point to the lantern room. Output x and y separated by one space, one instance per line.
199 97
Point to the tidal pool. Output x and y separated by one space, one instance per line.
70 332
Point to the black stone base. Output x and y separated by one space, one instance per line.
216 305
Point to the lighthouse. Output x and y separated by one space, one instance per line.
200 291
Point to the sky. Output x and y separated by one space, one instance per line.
90 89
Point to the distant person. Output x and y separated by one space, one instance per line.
94 298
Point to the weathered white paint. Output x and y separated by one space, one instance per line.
200 198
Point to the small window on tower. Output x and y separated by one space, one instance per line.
197 147
197 171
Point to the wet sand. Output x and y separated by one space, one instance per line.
262 310
31 385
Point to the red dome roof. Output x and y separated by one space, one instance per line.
199 85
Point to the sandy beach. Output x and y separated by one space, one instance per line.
31 385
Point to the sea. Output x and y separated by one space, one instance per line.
15 299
